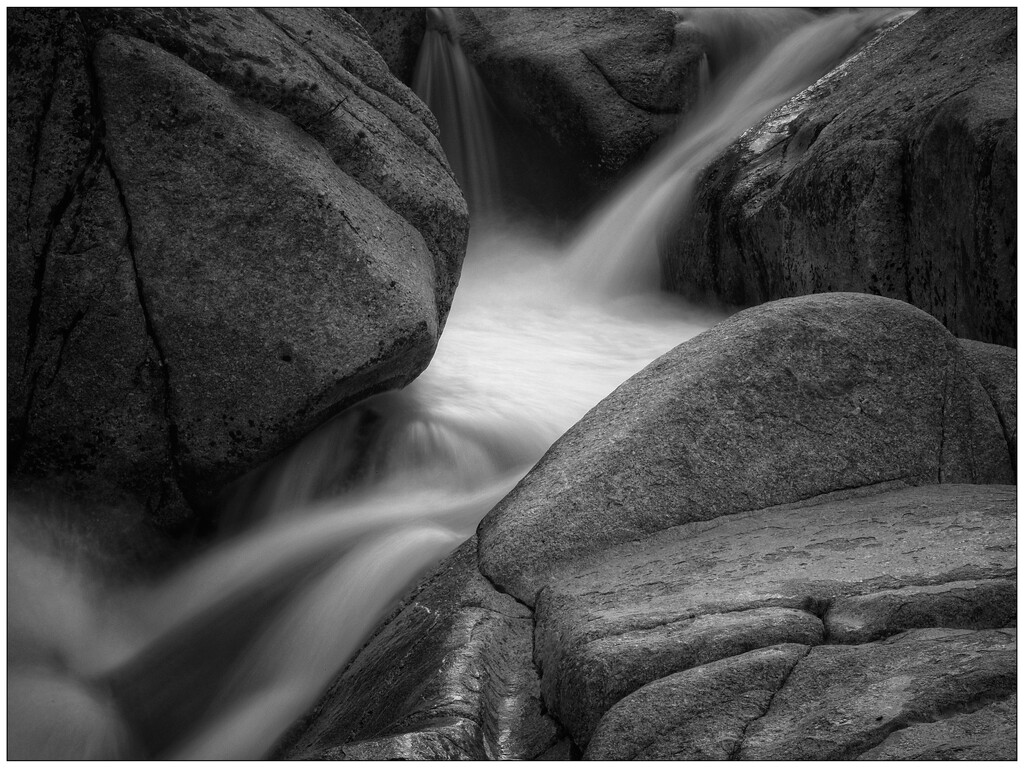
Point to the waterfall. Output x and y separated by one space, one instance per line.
448 84
220 658
617 250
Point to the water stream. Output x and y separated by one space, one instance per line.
219 659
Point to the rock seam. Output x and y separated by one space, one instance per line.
734 755
174 446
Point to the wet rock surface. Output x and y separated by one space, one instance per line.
449 676
224 226
894 175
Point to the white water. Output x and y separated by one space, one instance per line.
343 525
448 84
618 251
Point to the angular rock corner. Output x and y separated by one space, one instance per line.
224 226
792 537
893 175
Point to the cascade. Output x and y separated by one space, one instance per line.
448 84
220 658
617 250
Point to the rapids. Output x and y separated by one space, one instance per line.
220 658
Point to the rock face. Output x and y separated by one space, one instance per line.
224 227
396 34
826 703
792 537
894 175
844 572
996 369
594 87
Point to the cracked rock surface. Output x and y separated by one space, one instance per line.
676 612
225 226
893 175
826 703
847 571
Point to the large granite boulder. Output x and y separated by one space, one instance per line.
791 537
592 88
894 175
224 226
778 404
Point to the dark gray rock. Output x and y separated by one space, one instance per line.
449 676
599 84
989 733
226 225
396 34
996 369
700 714
841 701
778 404
989 603
894 175
828 703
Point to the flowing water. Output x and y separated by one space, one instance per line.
219 659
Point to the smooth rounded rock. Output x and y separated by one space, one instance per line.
778 404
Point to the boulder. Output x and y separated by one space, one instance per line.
778 404
225 226
894 175
585 91
448 676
